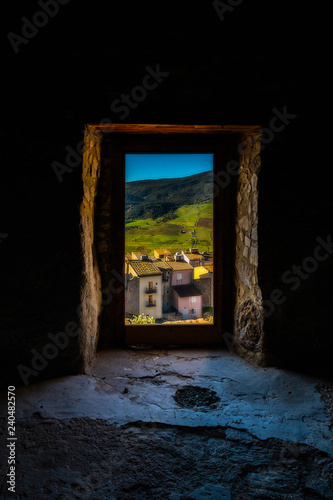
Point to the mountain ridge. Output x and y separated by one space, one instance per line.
154 198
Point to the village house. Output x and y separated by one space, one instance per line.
136 256
162 254
178 256
182 273
143 289
202 271
186 298
141 256
156 285
194 258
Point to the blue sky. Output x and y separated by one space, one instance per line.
169 165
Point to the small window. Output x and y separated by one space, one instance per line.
193 299
179 276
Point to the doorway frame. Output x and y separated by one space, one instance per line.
114 140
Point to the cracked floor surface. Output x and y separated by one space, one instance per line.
118 432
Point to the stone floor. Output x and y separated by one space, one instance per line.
140 425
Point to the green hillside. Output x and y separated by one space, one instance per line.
191 226
151 199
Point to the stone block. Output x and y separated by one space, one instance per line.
254 203
249 326
244 223
254 182
255 164
254 256
244 272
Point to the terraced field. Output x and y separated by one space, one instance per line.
192 226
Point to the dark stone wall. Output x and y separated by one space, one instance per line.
205 286
261 57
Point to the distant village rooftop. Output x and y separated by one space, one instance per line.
210 268
179 265
162 265
162 251
143 268
193 256
187 290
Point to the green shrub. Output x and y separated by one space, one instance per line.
142 319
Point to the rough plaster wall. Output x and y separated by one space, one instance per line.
132 296
249 315
91 296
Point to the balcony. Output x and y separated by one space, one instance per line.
151 290
151 303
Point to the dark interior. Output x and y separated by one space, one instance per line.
173 423
261 59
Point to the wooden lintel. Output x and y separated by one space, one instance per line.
130 128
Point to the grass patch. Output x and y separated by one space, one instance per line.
179 233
